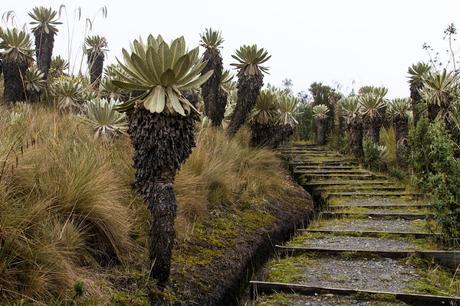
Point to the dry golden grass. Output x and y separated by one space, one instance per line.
63 205
67 204
388 139
223 172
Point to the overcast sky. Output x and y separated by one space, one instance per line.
352 43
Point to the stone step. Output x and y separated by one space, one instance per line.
391 225
450 258
348 182
359 242
303 149
309 152
345 176
356 268
374 194
332 173
309 162
379 215
379 206
261 287
300 145
346 188
365 233
327 167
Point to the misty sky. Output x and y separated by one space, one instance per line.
352 43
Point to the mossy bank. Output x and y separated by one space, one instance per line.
74 231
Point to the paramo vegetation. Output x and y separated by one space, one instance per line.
119 184
147 180
416 139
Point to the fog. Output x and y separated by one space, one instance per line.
340 43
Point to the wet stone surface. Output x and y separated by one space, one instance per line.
409 210
359 243
380 274
379 201
369 224
323 300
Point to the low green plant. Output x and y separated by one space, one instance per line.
58 67
304 130
67 93
388 139
106 122
437 171
375 155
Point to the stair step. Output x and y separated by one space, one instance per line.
350 182
356 188
260 287
450 259
327 167
380 206
389 215
328 177
373 194
370 233
324 163
342 175
322 171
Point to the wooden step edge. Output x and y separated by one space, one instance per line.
370 233
370 194
399 215
312 152
325 168
380 206
298 169
448 258
300 250
342 183
332 175
308 173
309 162
260 287
347 188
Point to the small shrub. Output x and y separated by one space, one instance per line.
304 130
437 171
388 139
340 144
106 122
375 156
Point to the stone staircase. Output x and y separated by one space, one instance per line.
370 244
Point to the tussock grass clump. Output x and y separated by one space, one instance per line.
63 206
225 172
388 139
69 214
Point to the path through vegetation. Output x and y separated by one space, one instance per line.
372 243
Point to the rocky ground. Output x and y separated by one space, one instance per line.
357 241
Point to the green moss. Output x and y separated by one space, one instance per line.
284 271
288 270
218 194
304 237
276 299
434 279
203 257
336 278
281 299
424 225
379 297
252 220
359 209
120 298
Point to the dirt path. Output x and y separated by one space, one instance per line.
373 243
